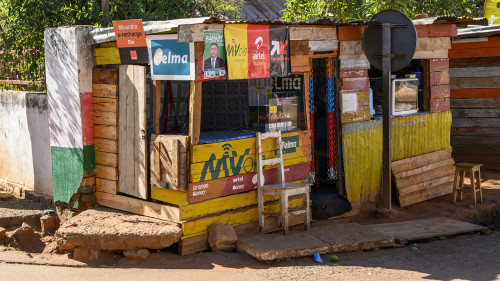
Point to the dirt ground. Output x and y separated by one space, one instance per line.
465 257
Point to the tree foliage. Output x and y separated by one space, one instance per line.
22 24
354 10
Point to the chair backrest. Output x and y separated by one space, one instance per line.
272 161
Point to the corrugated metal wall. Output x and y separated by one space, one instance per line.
411 136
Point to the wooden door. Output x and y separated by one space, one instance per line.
132 131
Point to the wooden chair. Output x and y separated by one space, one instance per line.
281 189
475 180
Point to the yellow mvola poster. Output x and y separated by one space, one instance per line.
235 37
492 11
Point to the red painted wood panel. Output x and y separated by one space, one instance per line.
353 32
439 64
474 93
353 73
202 191
355 84
436 30
492 42
440 91
439 78
438 105
474 53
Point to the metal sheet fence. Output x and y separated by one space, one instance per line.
411 136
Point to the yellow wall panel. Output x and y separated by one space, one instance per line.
410 136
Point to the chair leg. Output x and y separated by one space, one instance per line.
308 212
284 212
478 179
461 185
473 185
261 210
455 185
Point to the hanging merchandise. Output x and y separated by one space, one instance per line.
169 102
311 121
330 119
257 51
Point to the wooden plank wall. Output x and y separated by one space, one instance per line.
475 101
105 101
132 131
423 177
354 72
169 161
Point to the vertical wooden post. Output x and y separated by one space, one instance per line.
195 112
387 112
157 107
306 101
427 88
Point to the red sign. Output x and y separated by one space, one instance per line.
202 191
258 51
131 41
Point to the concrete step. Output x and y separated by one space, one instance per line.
349 237
108 229
322 240
15 211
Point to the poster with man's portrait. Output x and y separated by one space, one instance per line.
214 56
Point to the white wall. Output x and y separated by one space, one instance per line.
24 140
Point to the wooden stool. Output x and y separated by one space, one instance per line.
475 180
281 189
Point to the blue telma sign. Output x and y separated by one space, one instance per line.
170 60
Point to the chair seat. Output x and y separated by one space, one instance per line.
467 165
286 185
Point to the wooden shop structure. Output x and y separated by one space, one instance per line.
197 184
475 95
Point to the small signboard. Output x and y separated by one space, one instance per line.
131 41
214 55
349 102
170 60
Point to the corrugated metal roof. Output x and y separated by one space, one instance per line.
479 31
102 35
262 9
459 21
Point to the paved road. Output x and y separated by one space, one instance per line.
467 257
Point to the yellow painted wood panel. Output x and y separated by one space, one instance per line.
221 204
200 226
212 151
108 55
170 196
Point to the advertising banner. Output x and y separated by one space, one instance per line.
131 41
214 56
201 191
257 51
170 60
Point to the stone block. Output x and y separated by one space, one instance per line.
49 224
28 240
222 237
139 255
86 255
3 233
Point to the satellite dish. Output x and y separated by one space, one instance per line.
403 39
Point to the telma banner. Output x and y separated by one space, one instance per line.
170 60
